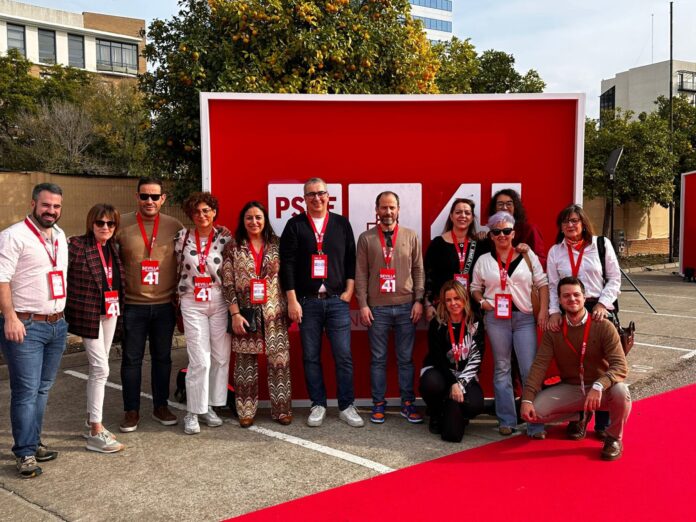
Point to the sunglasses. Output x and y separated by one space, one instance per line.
101 223
498 231
312 195
153 197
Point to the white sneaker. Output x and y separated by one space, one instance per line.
350 416
211 418
191 426
316 416
104 442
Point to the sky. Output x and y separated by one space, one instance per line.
573 44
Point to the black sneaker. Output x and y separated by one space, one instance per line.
27 467
43 454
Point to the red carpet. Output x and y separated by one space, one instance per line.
518 479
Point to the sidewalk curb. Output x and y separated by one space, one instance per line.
650 268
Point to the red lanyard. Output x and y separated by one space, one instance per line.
575 267
319 236
456 348
504 271
46 244
461 253
583 349
108 269
149 245
203 257
258 257
387 252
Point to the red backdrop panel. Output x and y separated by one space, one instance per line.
688 206
439 143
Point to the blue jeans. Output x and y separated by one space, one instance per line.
33 366
397 317
333 315
141 323
518 333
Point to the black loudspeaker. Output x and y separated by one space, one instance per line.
689 274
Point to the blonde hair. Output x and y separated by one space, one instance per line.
442 314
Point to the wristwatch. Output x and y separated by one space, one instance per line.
597 386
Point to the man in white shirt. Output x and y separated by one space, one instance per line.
33 265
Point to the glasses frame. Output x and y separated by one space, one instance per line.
99 223
318 194
153 197
504 231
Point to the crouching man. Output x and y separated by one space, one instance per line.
592 366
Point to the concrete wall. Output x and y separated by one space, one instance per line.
79 195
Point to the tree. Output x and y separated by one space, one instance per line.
498 75
459 65
284 46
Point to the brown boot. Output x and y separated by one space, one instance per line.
130 421
165 417
576 430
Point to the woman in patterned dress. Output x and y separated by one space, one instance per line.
250 281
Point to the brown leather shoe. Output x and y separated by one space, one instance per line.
612 450
130 421
165 417
600 435
245 422
506 431
577 430
285 420
541 435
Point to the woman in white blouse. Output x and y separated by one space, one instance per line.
502 284
577 253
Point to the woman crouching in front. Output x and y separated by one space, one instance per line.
449 378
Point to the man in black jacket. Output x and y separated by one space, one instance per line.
317 251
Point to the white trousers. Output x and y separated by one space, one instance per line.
98 357
208 345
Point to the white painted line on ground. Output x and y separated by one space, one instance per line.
658 314
662 346
670 296
375 466
349 457
689 355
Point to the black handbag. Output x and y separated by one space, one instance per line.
247 313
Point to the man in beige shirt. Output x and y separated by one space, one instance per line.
389 287
146 242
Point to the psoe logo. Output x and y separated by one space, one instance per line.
286 200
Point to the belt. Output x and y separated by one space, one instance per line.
322 295
49 318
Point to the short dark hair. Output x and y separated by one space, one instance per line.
570 280
520 214
387 193
50 187
241 233
449 225
149 180
102 210
196 199
587 228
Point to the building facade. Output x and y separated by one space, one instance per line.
103 44
436 16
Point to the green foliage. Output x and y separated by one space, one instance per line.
498 74
684 121
459 65
280 46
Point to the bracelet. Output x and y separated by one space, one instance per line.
236 313
527 401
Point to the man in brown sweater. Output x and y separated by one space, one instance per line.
592 366
389 287
146 244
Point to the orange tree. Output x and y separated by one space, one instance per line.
278 46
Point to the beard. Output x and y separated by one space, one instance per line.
40 219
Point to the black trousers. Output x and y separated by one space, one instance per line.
454 416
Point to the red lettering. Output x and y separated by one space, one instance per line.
297 205
332 200
282 204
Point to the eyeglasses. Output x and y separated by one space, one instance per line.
153 197
202 211
100 223
312 195
572 221
504 204
498 231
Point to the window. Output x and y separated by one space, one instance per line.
47 46
76 51
434 24
117 57
607 99
15 38
443 5
687 81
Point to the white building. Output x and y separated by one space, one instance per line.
109 45
638 88
436 16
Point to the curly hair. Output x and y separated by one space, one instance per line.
195 199
520 214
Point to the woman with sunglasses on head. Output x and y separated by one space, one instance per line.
204 311
449 378
577 253
502 285
453 254
508 200
253 293
93 311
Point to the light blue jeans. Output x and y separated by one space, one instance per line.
518 333
397 317
33 365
